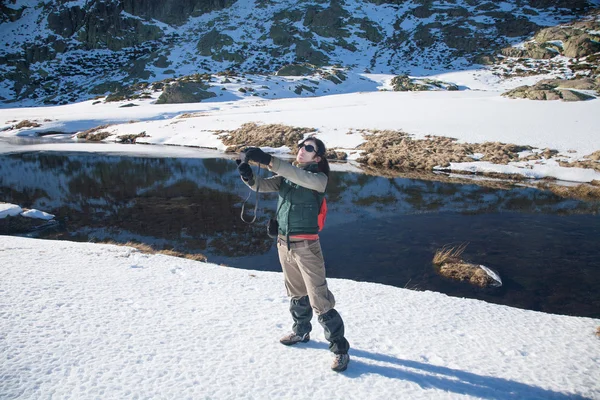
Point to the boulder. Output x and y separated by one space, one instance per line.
185 92
403 83
580 46
571 95
546 90
553 33
579 84
539 51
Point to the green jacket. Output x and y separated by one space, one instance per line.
301 190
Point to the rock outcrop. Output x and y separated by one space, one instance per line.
555 89
185 92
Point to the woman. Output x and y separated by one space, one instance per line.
301 188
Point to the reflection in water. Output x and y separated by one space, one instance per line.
378 229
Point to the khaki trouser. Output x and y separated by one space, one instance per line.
304 271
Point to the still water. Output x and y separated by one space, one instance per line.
384 230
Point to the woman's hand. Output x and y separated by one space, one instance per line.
244 170
257 155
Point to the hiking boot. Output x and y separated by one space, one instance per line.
293 338
340 362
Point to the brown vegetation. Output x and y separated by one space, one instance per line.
598 331
396 149
450 265
588 164
27 124
270 135
147 249
95 134
583 191
131 138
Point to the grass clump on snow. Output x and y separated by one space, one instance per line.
95 134
27 124
398 150
147 249
270 135
450 264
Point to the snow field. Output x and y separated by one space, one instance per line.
80 320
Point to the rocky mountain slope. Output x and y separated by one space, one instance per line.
55 52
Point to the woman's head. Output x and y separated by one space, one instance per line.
313 150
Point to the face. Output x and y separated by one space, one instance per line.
305 156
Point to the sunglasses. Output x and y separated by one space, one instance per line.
309 147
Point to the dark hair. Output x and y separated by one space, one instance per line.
321 152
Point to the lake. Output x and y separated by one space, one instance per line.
379 229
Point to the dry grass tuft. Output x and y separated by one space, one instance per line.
588 164
466 272
452 266
396 149
270 135
595 156
27 124
448 255
95 134
598 331
147 249
131 138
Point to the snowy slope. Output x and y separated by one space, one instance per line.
80 320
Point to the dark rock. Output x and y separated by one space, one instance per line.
173 11
107 87
66 21
104 27
213 41
306 53
371 32
423 37
296 70
515 26
161 62
327 22
422 12
281 35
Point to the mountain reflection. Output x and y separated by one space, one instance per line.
378 229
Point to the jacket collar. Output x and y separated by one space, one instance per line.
304 165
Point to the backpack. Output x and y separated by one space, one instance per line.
322 214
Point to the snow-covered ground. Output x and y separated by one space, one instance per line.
477 113
83 321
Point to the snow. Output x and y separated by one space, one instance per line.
9 210
82 320
33 213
